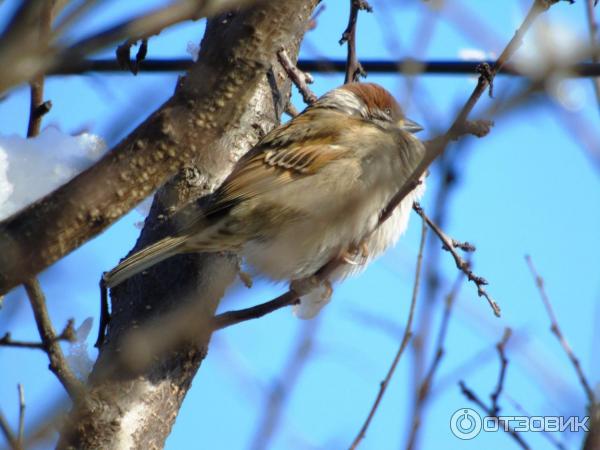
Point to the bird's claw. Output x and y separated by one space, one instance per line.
356 254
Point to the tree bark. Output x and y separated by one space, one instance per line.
160 325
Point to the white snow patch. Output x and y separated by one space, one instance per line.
78 356
32 168
193 49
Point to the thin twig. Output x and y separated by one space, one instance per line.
21 429
450 245
67 334
593 27
500 346
425 387
554 327
299 78
58 363
8 432
471 396
405 340
354 70
37 106
492 411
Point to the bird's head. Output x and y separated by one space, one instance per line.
371 102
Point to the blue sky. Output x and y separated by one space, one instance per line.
527 188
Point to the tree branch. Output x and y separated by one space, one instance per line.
299 78
58 363
425 387
493 410
555 328
354 70
450 245
67 335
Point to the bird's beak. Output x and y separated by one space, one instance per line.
409 125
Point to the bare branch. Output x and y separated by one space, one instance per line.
8 433
403 344
21 429
354 70
462 265
299 78
493 410
555 328
37 106
67 335
58 363
501 347
471 396
427 383
229 318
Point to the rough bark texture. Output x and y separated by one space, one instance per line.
158 336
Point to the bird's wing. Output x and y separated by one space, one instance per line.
298 149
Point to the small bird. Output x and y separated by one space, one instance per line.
311 190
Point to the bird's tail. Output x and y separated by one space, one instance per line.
145 258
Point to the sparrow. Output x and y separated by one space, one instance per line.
311 190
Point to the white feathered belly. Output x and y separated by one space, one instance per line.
301 250
380 240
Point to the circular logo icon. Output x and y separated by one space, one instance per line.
465 423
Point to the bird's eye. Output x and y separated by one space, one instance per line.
388 112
